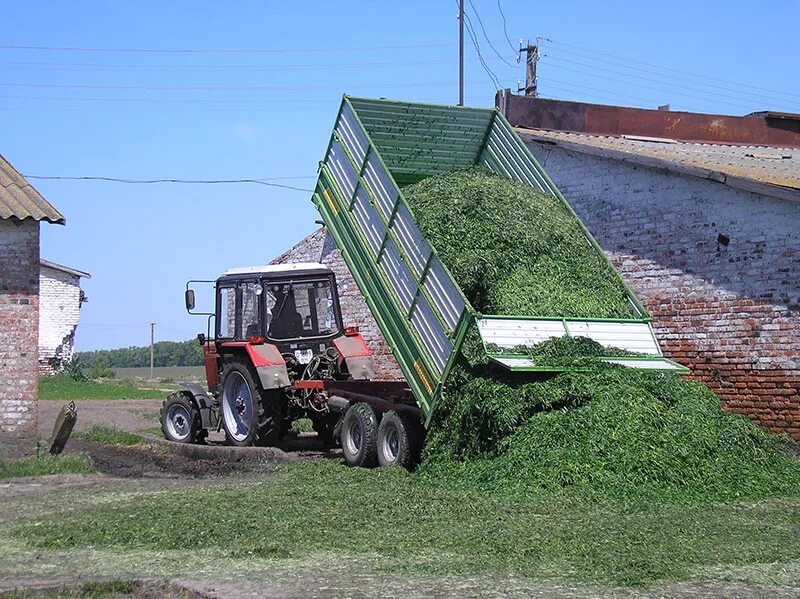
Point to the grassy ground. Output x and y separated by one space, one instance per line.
109 436
418 527
40 466
62 388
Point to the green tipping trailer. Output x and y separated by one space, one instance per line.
379 146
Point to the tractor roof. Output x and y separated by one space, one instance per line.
296 267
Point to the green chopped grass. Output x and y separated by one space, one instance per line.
63 388
109 436
604 431
47 464
416 525
90 590
515 250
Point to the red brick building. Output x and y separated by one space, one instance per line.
22 208
701 216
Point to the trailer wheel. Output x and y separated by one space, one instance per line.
180 421
359 436
249 415
399 440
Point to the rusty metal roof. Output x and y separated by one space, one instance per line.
764 169
19 199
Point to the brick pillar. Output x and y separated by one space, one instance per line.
19 332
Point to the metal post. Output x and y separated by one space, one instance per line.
152 340
461 52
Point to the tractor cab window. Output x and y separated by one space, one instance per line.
251 323
226 312
238 311
302 309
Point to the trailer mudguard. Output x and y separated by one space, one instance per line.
356 355
204 404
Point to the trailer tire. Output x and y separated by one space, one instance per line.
180 420
399 440
249 415
359 436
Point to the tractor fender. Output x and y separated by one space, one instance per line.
356 355
206 406
269 364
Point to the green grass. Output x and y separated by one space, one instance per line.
63 388
47 464
89 590
423 526
109 436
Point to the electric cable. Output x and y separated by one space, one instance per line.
483 29
505 30
154 181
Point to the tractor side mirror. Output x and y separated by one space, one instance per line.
189 299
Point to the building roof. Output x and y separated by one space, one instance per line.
67 269
18 198
759 152
767 170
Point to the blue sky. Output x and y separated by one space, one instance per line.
256 95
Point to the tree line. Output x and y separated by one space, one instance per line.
165 353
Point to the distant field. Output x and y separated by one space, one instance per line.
176 373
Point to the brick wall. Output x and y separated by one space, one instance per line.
319 247
59 308
729 311
19 328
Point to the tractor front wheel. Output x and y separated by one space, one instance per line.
180 421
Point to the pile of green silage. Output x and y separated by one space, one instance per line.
515 250
604 430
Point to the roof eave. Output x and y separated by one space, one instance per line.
742 183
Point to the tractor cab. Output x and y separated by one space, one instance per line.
292 306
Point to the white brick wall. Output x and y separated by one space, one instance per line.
731 312
19 325
59 308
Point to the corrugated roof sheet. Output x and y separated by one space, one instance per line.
763 169
18 198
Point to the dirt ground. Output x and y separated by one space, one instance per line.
127 414
159 466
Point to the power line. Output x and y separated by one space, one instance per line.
216 67
471 31
505 30
483 29
335 86
153 181
219 50
671 84
714 97
592 54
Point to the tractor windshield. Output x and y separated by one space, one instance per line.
304 309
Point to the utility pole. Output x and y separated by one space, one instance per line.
530 70
460 52
152 343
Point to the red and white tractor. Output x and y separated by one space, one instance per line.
280 352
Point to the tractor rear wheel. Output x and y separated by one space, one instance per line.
180 421
250 416
399 440
359 436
